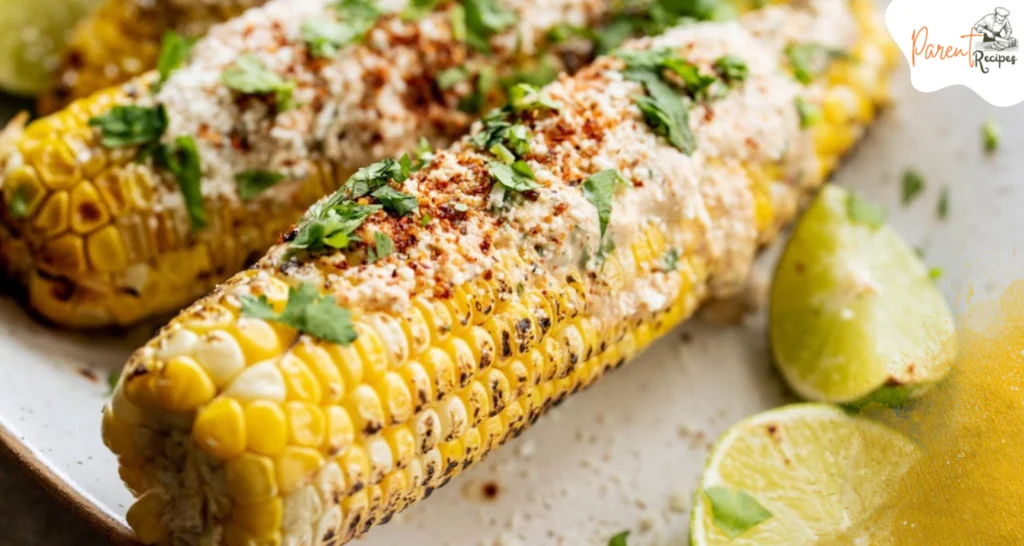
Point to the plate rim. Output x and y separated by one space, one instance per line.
62 490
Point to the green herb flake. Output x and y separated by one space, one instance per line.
734 511
810 60
600 190
325 38
483 19
512 177
253 182
935 273
18 207
668 115
619 539
182 160
125 126
418 9
861 211
670 262
396 202
424 154
990 136
368 179
383 247
248 75
942 209
912 185
731 68
448 78
173 53
809 113
425 219
308 312
524 97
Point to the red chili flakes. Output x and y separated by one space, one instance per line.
560 208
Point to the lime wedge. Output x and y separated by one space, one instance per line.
798 475
854 314
32 37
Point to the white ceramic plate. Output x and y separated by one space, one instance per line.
627 453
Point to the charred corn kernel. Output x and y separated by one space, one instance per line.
264 381
416 330
371 352
441 370
427 427
355 463
220 356
220 429
381 458
395 398
296 465
453 417
320 364
177 342
299 380
437 317
403 445
87 209
477 401
462 357
394 341
498 387
340 430
146 517
183 386
307 424
251 478
483 345
269 425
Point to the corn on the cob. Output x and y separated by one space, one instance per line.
101 239
321 392
122 39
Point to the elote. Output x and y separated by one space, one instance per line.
122 40
275 110
423 314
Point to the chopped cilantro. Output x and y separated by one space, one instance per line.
425 219
810 59
383 247
734 511
935 273
126 126
619 539
537 75
331 224
418 9
250 76
182 160
485 84
564 32
325 37
503 154
670 262
913 184
175 49
367 179
516 177
253 182
668 115
942 209
861 211
524 97
809 113
396 202
731 68
697 85
18 206
990 136
600 189
483 19
450 77
308 312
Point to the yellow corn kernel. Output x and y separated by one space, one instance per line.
462 356
87 209
319 362
491 433
262 518
354 509
23 180
269 420
461 308
348 362
119 436
365 408
454 419
258 340
403 445
183 386
53 217
355 464
519 378
393 339
299 380
220 356
420 385
499 389
472 444
340 430
64 255
251 478
145 517
416 330
395 397
307 425
477 401
295 466
372 353
220 430
441 370
57 165
482 343
427 428
106 250
138 479
438 319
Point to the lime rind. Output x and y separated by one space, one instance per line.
33 34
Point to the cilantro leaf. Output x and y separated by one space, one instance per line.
331 225
18 207
990 136
810 60
125 126
668 115
418 9
173 53
600 190
182 160
731 68
516 177
861 211
448 78
524 97
913 184
734 511
486 82
424 154
396 202
383 247
367 179
809 113
253 182
308 312
325 38
670 262
248 75
619 539
483 19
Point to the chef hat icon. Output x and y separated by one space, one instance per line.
1002 12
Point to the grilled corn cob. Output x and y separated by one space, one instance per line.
377 351
122 40
100 238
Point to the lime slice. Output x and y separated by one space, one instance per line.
32 37
854 314
798 475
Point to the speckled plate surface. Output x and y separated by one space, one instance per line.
627 453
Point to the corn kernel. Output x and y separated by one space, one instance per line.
52 218
348 362
461 308
295 465
262 518
472 443
220 356
330 483
63 255
499 389
427 428
438 318
259 341
263 381
403 445
319 362
340 430
519 379
453 417
420 385
416 331
354 510
381 458
57 165
145 516
176 342
220 430
371 352
87 209
307 424
183 386
477 402
395 396
355 463
299 380
106 250
251 478
482 344
269 420
462 356
393 339
441 370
